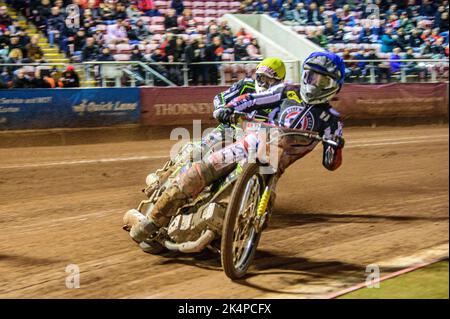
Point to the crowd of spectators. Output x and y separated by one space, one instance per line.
118 30
379 29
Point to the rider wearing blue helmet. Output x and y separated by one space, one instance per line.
322 77
305 106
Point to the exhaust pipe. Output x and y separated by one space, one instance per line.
192 246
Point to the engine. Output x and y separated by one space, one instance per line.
189 227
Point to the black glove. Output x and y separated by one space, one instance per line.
223 114
340 141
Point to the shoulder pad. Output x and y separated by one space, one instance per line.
248 80
334 112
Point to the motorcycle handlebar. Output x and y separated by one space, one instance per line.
237 116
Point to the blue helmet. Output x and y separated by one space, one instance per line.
323 75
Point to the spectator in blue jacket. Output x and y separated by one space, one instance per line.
314 17
427 9
55 26
301 14
393 63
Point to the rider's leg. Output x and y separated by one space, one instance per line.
200 175
190 183
221 134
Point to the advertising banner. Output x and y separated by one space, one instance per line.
178 106
54 108
395 100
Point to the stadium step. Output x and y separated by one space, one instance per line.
57 60
54 55
49 50
88 83
51 54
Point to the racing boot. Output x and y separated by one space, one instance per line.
168 204
131 218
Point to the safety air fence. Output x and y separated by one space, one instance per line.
179 106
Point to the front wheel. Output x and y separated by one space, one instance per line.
240 236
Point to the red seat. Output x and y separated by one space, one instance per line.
157 28
199 20
162 4
210 4
198 5
145 19
223 5
222 12
157 20
198 12
235 5
211 12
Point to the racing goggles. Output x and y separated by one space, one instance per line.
264 80
318 80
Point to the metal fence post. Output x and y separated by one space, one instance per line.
372 73
152 80
87 71
147 80
402 74
433 73
222 75
103 82
185 70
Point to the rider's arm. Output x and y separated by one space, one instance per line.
250 102
241 87
332 155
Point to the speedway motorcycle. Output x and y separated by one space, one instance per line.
227 217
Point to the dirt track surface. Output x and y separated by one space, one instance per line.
60 206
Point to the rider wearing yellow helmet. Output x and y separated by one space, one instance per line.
304 107
269 72
270 75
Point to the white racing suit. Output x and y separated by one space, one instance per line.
224 133
289 111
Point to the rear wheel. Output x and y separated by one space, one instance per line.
240 236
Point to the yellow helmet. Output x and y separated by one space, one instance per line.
273 68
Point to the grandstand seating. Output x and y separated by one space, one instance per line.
205 11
